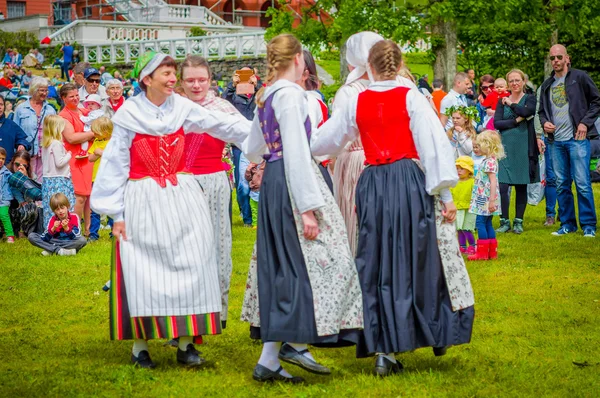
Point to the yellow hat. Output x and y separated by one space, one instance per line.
465 162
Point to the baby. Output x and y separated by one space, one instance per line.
92 103
498 92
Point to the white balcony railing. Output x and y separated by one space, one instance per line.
210 47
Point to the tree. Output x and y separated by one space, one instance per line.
490 36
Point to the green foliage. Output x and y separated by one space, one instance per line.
281 21
330 55
329 91
494 36
22 41
197 31
535 334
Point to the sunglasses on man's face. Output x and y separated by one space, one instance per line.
97 81
553 57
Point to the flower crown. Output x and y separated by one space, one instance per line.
469 112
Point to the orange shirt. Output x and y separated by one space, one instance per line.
6 83
437 98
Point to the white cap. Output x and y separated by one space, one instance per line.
357 52
93 98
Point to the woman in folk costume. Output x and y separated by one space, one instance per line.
165 280
351 162
409 303
308 289
204 159
318 114
317 109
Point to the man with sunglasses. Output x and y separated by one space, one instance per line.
569 106
91 85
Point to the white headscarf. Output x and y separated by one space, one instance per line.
357 53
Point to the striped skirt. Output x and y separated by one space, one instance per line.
125 327
165 275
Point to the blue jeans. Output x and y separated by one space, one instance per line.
550 191
242 188
571 160
485 230
94 226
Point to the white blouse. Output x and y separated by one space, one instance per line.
55 160
435 152
108 191
290 105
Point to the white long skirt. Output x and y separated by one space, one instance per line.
168 260
218 195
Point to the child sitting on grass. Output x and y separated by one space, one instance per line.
253 175
63 233
5 198
461 193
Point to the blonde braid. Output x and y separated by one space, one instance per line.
385 58
280 54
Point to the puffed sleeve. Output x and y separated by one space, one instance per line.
336 132
290 108
221 125
108 191
254 147
433 146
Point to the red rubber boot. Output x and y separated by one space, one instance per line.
493 248
483 251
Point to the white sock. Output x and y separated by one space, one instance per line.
269 359
139 345
184 341
302 347
389 357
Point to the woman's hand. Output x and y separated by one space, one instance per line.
541 145
20 148
119 230
507 101
449 212
490 112
519 119
311 226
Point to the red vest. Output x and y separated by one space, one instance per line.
324 111
384 126
158 157
204 153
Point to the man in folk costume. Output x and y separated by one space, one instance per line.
351 161
416 290
164 274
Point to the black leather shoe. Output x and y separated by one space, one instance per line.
143 360
190 357
264 375
385 367
288 354
440 351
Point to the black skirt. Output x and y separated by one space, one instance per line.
406 302
284 291
326 176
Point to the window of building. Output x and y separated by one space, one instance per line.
87 12
15 9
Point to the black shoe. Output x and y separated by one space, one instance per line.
190 357
440 351
264 374
143 360
288 354
385 367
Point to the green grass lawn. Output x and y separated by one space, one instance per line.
537 318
